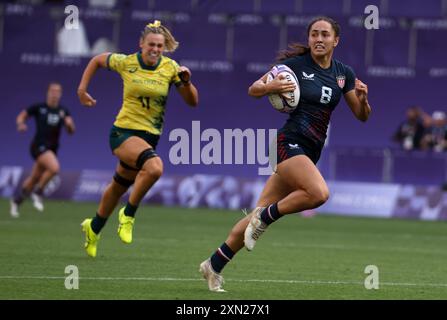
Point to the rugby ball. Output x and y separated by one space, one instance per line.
288 101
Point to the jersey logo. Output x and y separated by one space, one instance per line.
341 81
294 146
308 76
53 119
133 70
42 110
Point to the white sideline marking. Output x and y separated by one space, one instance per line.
322 282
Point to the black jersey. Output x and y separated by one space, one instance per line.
49 122
321 90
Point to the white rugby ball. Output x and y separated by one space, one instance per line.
288 101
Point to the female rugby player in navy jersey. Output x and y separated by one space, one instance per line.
50 118
297 184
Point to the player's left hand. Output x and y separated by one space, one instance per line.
184 74
86 99
22 127
361 91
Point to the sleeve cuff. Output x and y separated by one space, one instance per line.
108 62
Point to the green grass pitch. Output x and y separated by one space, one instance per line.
322 257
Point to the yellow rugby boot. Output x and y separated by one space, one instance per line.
91 238
125 226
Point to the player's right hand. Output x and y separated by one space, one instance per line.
86 99
280 85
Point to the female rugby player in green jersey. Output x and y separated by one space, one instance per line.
147 76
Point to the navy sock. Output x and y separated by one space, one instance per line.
270 214
39 191
130 210
20 195
221 257
98 223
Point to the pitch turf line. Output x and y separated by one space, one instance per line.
319 282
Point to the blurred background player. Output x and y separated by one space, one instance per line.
297 184
147 76
410 132
49 117
435 137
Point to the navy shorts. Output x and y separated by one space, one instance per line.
290 144
36 149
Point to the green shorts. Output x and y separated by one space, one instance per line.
118 135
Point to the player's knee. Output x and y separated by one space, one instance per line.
153 169
144 156
54 169
319 196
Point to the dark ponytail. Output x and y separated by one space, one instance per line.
295 49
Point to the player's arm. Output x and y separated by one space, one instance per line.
21 121
260 87
69 124
357 100
99 61
187 90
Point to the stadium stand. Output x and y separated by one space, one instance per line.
427 40
413 8
387 50
245 45
227 44
286 7
325 7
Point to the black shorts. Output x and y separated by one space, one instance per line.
290 144
36 149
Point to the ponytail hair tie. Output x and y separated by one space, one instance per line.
155 24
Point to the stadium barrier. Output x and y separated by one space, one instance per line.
226 192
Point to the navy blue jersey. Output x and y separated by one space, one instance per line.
321 90
49 122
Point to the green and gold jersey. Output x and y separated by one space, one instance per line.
145 90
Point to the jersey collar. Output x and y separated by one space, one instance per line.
318 66
145 66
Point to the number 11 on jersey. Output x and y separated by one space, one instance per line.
144 102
